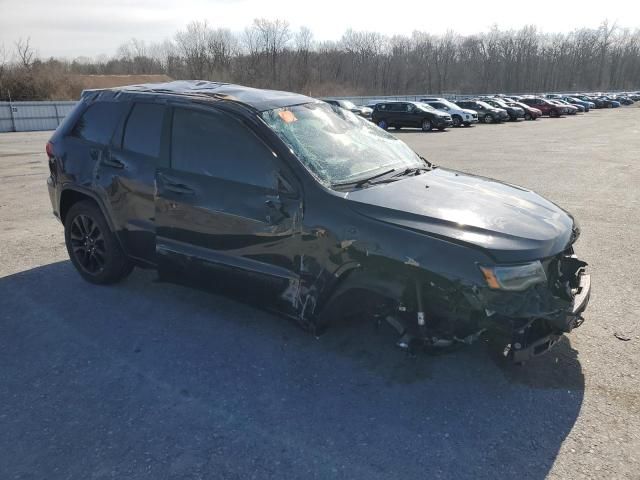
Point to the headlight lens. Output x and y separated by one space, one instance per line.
516 277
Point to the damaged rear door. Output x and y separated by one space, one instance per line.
227 213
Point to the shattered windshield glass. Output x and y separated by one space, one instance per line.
336 145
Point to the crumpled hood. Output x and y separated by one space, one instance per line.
509 223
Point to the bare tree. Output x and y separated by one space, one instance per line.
193 44
25 53
272 37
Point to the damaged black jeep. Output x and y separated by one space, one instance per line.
312 211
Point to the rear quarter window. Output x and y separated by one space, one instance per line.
98 122
144 129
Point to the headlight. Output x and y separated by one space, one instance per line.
516 277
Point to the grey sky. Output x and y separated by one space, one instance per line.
90 27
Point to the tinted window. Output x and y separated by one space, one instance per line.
144 127
98 122
216 144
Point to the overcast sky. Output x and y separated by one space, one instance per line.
72 28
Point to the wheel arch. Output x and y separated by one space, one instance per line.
73 194
361 282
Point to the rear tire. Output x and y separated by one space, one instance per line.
427 126
93 248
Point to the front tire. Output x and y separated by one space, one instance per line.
527 116
383 124
457 121
93 248
488 119
427 126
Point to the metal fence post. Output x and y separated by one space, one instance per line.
13 120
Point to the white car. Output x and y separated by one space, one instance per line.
459 116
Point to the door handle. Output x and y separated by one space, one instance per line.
179 188
112 162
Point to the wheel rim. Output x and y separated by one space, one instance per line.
426 125
488 119
527 117
87 244
382 124
456 122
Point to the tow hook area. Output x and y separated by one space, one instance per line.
538 337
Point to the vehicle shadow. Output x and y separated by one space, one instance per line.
147 377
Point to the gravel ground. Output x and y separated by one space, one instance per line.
149 380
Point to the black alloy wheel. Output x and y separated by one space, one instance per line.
87 244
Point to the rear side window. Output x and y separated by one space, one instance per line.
218 145
144 128
98 122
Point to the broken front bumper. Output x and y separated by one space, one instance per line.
531 342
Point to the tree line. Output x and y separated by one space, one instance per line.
270 54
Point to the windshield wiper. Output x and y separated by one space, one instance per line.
360 182
412 171
431 165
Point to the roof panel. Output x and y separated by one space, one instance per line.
257 98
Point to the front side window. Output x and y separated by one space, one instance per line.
338 147
99 121
216 144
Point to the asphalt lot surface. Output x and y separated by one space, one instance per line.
150 380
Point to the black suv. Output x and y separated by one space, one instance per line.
283 200
409 114
486 113
514 112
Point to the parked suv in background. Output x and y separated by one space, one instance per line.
308 209
352 107
486 113
530 113
459 116
409 114
544 105
515 113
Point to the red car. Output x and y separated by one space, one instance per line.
545 106
530 113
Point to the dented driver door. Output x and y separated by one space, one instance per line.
226 218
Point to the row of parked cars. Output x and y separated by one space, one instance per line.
440 113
